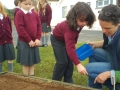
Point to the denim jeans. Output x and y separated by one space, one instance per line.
98 63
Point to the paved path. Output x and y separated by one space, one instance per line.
85 35
91 35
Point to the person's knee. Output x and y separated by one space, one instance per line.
88 68
97 50
97 67
99 55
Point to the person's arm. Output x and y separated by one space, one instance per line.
113 75
102 77
10 23
39 28
49 15
20 27
71 51
96 44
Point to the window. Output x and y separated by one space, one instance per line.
106 2
102 3
88 3
64 11
71 6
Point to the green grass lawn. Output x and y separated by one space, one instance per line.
45 68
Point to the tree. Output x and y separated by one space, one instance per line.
10 12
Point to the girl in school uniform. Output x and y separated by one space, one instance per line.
6 40
16 9
29 32
45 13
63 39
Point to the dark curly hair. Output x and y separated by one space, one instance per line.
80 10
110 13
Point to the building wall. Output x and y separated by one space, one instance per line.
57 10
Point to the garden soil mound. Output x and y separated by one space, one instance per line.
14 82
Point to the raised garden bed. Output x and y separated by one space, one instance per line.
14 81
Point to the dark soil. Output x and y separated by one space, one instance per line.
13 82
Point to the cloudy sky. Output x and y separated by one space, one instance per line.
8 3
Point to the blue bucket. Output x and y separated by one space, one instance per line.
84 51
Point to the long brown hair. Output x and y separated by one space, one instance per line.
2 10
80 10
35 4
42 7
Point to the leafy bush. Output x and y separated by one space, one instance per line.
10 13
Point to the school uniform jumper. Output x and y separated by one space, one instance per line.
15 11
63 41
28 28
6 40
45 20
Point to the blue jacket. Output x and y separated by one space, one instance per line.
114 52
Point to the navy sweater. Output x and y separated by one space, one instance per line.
114 52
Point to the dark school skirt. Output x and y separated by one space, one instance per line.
7 52
45 29
27 55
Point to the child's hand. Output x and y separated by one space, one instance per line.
81 69
48 26
37 42
31 44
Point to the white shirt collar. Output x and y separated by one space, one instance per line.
78 28
26 11
17 7
111 38
1 16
